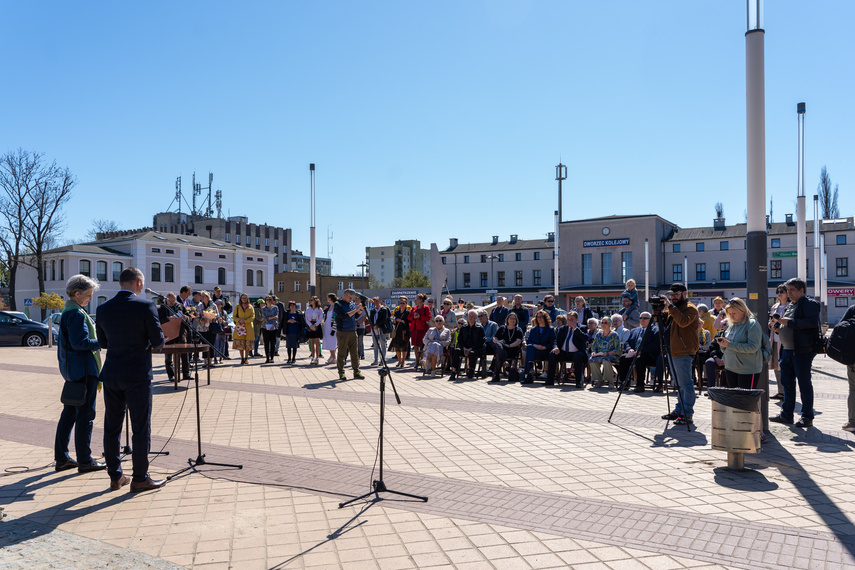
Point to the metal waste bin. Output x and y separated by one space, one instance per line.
736 423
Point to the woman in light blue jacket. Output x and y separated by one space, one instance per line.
741 344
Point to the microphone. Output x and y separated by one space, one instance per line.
154 293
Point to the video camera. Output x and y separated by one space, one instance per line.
657 304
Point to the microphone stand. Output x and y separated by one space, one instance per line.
379 486
200 458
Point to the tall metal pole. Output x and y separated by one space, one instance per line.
755 107
817 267
646 270
555 261
312 259
801 221
560 175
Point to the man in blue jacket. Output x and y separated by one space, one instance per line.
647 347
129 329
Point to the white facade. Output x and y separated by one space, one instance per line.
167 260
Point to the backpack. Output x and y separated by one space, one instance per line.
841 343
388 325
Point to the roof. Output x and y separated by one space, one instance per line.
617 217
741 230
103 246
501 246
89 249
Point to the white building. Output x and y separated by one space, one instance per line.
168 261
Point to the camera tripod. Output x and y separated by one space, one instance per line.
667 362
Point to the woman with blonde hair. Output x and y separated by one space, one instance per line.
742 346
243 337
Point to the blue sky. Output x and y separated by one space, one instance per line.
426 120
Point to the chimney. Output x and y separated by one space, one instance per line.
718 224
452 243
550 236
789 219
495 240
513 238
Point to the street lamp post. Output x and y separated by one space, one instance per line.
363 265
560 175
491 257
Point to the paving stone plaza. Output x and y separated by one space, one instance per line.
517 477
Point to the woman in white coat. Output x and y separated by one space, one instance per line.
329 342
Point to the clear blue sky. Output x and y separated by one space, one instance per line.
426 120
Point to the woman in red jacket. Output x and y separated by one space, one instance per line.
420 318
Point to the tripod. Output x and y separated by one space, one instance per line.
127 449
196 336
379 486
668 364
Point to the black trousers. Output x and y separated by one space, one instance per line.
185 364
474 355
136 398
270 342
644 360
578 358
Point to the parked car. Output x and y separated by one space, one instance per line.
52 320
16 330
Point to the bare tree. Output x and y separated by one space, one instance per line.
719 210
101 226
32 195
827 198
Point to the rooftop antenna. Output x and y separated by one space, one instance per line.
197 189
210 210
219 196
178 193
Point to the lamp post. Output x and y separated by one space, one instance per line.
312 258
755 115
560 175
491 257
801 221
363 265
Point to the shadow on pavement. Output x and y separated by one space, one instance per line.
750 480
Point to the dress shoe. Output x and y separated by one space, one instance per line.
116 484
453 375
848 426
638 389
66 465
91 466
671 417
804 423
780 419
778 396
549 383
579 384
147 485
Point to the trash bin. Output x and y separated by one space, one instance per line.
736 423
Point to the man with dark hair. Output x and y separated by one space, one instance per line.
344 313
550 308
570 347
499 312
521 312
185 296
850 374
171 308
683 318
799 333
629 313
648 352
128 327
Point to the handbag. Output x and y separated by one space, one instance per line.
240 330
74 393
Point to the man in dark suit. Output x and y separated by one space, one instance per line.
127 325
647 348
569 347
171 308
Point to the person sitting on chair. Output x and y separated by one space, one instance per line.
507 341
605 352
470 343
436 340
646 345
570 347
541 341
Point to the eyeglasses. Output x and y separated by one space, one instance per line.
446 303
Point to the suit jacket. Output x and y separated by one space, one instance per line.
580 339
471 336
651 343
74 348
129 329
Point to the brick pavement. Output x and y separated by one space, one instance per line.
517 476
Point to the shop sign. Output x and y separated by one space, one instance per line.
605 242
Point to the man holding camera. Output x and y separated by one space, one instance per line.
683 334
799 333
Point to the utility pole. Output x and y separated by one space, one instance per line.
560 176
801 221
312 258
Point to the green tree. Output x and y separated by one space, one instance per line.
413 278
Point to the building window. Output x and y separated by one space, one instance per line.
280 286
169 273
117 270
85 267
350 284
62 270
170 251
466 282
259 278
276 243
266 242
155 250
443 260
296 286
518 278
155 271
484 279
626 266
53 270
500 279
699 246
606 273
197 253
776 242
675 248
228 237
222 256
483 258
221 276
724 246
465 259
843 267
248 240
249 258
841 239
841 302
775 269
518 256
249 277
257 242
101 270
724 271
587 272
677 272
535 277
552 279
198 274
341 285
501 257
700 272
536 255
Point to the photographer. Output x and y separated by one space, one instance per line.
682 324
799 333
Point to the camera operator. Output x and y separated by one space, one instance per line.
799 332
682 324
